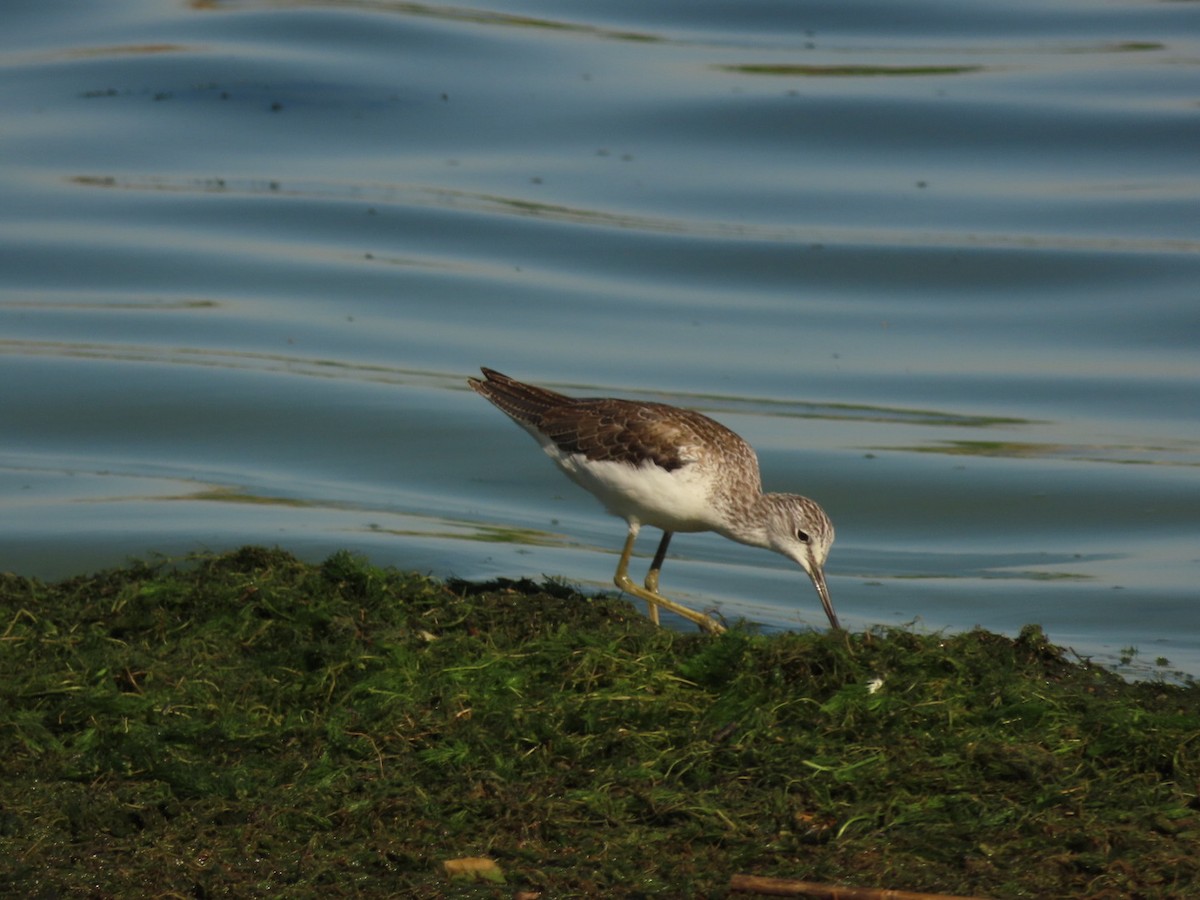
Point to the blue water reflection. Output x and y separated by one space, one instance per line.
938 262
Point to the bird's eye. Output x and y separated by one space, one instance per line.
802 536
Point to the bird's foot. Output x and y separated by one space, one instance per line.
657 600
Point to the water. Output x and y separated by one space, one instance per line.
937 261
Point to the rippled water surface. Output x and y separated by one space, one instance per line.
939 262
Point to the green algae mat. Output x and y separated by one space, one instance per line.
248 725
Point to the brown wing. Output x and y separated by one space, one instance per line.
526 403
607 429
629 432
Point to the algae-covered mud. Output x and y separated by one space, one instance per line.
250 725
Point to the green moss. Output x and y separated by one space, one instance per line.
249 725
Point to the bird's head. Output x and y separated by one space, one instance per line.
799 529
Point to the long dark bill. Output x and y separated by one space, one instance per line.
818 580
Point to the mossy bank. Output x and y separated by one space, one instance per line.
248 725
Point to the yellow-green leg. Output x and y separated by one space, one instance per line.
659 556
650 593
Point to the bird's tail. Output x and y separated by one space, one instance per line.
523 402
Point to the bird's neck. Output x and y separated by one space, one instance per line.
746 518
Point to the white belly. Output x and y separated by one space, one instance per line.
673 501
